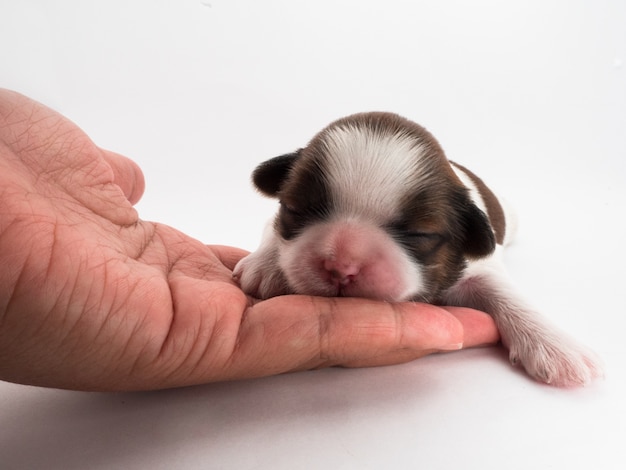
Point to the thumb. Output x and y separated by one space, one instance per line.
127 175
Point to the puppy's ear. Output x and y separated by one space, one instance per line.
269 176
480 240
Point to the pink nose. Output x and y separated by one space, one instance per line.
341 273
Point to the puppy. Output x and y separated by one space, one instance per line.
372 208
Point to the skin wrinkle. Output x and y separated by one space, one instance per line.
71 328
400 325
152 250
90 298
99 303
72 303
205 348
135 366
70 175
12 299
115 301
192 336
230 354
172 258
53 242
228 256
223 342
18 140
170 274
165 352
253 329
126 175
324 352
43 155
237 348
151 352
13 265
170 328
147 242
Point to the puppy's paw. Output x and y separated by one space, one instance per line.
555 360
260 277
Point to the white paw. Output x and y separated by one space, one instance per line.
260 276
555 360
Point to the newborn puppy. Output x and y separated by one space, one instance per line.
372 208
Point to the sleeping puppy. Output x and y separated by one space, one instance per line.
372 208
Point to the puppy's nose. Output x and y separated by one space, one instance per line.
341 273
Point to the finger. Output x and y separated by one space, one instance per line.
299 332
479 329
127 175
377 329
229 256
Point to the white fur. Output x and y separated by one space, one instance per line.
368 172
348 253
258 273
473 190
327 255
547 354
509 214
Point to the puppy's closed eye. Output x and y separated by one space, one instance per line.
371 207
421 242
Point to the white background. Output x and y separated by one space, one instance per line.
531 95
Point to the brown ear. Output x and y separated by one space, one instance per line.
479 240
269 176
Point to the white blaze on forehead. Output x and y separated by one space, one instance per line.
369 171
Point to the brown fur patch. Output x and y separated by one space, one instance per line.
494 209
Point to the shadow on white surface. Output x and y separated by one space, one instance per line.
529 95
469 408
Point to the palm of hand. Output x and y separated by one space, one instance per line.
99 299
109 281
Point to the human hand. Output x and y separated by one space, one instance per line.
93 298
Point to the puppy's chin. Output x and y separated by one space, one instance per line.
349 258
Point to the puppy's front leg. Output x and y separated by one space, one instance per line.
547 354
259 274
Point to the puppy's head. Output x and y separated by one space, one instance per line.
372 208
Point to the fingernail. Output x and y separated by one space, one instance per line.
452 347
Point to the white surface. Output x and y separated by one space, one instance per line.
531 95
